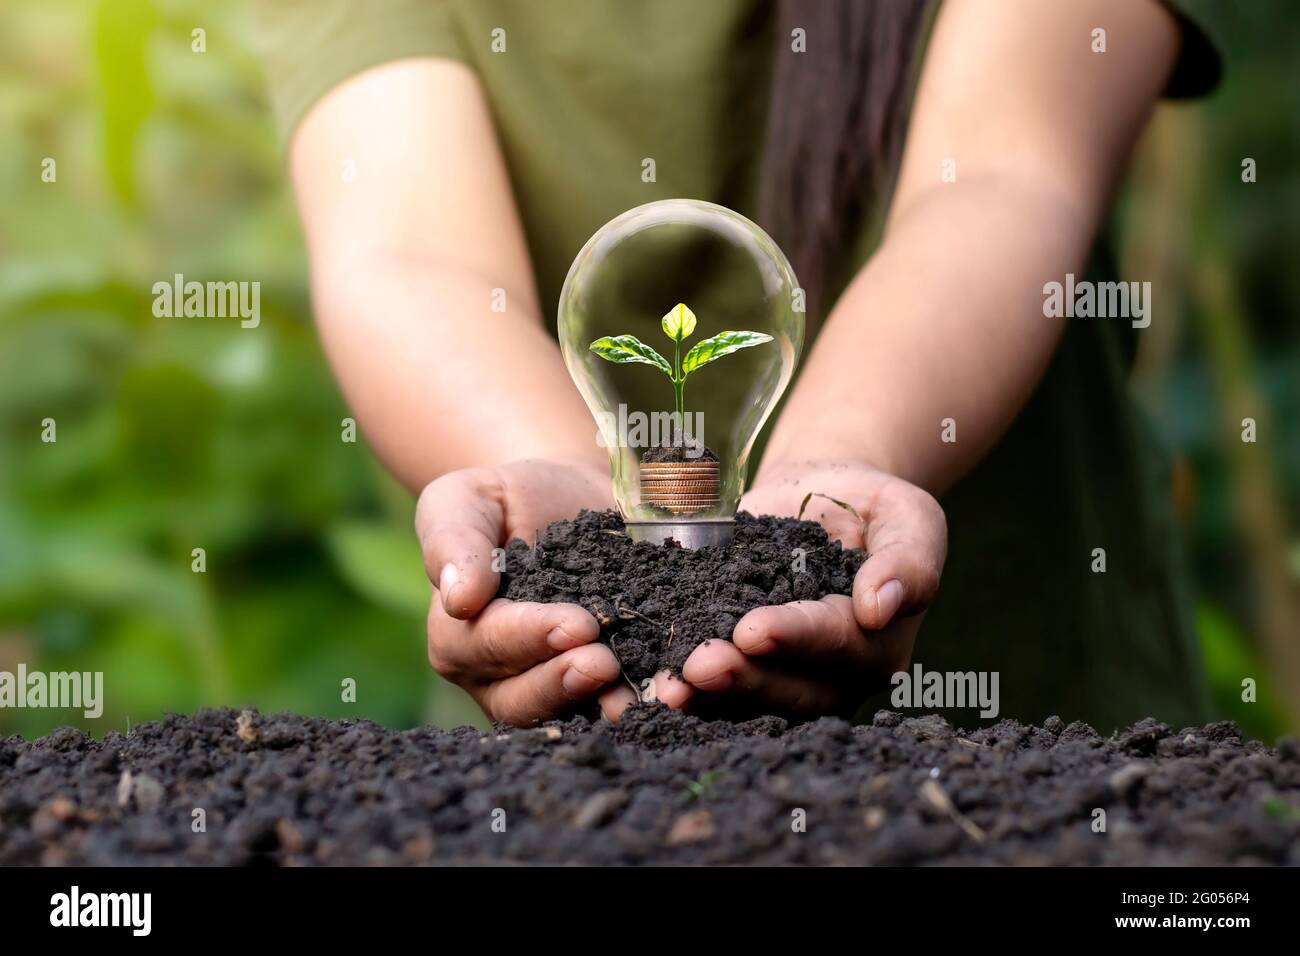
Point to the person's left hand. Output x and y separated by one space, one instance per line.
809 658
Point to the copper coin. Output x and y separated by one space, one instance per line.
709 486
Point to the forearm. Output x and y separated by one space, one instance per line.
437 380
412 244
945 322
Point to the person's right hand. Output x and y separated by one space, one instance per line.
522 662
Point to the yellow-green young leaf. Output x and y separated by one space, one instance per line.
628 348
679 323
724 343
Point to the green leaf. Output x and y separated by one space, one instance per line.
382 563
698 788
123 31
628 348
679 323
724 343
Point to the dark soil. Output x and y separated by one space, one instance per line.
657 603
677 452
660 787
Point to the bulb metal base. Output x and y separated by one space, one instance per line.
689 534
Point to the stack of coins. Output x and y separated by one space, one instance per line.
682 487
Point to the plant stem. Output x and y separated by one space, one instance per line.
679 380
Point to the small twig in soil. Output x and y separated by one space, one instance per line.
627 612
672 630
817 494
622 673
938 798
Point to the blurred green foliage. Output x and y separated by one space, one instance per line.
1224 253
176 434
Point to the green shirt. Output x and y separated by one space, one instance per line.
587 89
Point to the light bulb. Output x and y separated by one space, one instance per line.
681 323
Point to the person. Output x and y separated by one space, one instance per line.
928 171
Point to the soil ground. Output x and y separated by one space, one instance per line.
656 604
660 787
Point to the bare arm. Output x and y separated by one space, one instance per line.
405 260
946 321
407 255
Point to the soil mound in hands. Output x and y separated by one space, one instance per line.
659 787
677 452
657 603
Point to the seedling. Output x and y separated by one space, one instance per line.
678 325
698 788
1282 810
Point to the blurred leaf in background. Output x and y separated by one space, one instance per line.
1220 247
177 434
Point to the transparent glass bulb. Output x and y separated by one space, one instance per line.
678 401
